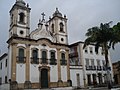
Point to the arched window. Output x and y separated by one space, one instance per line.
52 55
63 61
44 57
21 17
21 55
52 28
61 27
63 56
35 56
52 58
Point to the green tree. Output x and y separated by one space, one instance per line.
100 37
116 35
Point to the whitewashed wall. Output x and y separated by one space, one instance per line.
34 73
73 75
64 73
95 56
4 70
20 73
53 73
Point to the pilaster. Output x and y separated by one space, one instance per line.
13 62
68 65
58 64
27 76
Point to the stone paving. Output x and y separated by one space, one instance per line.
101 88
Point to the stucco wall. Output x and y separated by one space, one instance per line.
73 76
20 73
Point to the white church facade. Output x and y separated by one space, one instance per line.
38 59
41 58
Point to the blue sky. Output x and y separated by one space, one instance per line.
81 14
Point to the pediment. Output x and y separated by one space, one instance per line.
42 32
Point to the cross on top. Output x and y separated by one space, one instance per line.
43 15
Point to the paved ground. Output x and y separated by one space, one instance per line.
101 88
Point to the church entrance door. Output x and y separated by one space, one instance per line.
44 78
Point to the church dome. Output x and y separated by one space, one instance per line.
20 2
57 13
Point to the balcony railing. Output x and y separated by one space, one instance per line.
21 59
34 60
63 62
75 54
53 61
93 67
99 68
104 68
44 61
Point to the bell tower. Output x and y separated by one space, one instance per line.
19 19
58 27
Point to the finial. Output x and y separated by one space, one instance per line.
64 16
27 5
39 20
43 15
56 9
49 17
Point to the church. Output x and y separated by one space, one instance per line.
38 59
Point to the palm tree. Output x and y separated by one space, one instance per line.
100 37
116 35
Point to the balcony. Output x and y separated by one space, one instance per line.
90 67
63 62
93 67
99 68
53 61
108 68
21 59
75 54
34 60
87 67
104 68
44 61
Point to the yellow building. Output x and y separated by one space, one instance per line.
116 72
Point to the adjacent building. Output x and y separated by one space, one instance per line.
91 65
116 72
4 69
